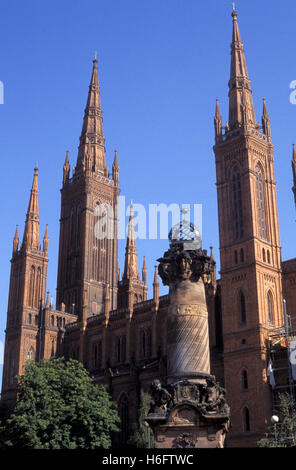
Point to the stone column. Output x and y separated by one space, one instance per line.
190 410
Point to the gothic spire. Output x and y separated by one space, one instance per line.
115 168
144 271
155 285
241 108
16 240
66 168
31 232
131 264
46 240
218 121
91 153
265 120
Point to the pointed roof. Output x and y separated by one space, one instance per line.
131 263
92 141
239 83
265 112
115 162
155 280
217 113
31 232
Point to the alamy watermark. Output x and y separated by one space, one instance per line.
152 222
293 93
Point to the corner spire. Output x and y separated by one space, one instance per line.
66 168
46 240
266 121
131 264
92 141
31 232
218 122
144 271
115 169
155 285
241 108
16 241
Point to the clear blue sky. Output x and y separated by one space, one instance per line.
162 63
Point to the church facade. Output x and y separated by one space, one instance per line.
108 323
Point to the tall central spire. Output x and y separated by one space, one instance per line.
91 153
31 232
241 108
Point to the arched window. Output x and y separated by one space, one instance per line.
30 319
260 202
37 289
245 384
145 343
270 307
31 286
263 255
242 306
123 411
237 208
30 354
268 256
120 349
246 420
242 255
52 320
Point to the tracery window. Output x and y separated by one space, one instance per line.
237 208
260 202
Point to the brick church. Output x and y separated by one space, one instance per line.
107 322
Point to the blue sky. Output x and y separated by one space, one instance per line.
162 63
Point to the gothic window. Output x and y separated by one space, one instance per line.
270 307
242 255
237 210
246 420
123 411
260 202
37 289
235 257
30 318
245 384
52 320
30 354
242 307
31 286
268 256
145 343
120 349
263 255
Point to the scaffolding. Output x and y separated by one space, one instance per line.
279 352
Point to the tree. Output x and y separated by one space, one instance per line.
283 434
59 407
140 433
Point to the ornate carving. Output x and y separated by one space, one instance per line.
179 264
208 397
184 441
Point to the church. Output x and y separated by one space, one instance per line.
107 322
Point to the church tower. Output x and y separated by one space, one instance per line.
26 297
250 251
88 257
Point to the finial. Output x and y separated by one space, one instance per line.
233 6
95 56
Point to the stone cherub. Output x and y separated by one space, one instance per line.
161 399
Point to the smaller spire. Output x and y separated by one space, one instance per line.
16 241
144 271
155 285
218 122
265 121
66 168
115 169
46 240
212 253
47 299
131 265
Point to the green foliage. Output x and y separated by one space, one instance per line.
283 434
140 437
59 407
